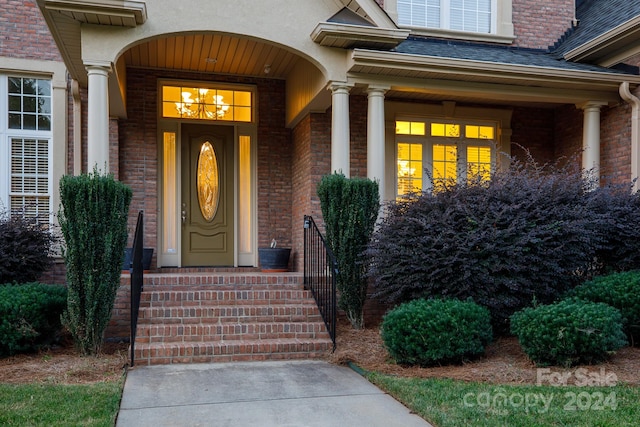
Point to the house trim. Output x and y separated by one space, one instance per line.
481 77
611 47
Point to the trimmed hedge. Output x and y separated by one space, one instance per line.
93 220
569 332
619 290
30 316
428 332
350 209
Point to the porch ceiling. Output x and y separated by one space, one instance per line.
213 53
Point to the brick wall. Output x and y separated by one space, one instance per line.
540 23
533 130
615 144
274 166
568 133
358 130
24 33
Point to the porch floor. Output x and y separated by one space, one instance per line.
222 315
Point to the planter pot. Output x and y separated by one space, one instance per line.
147 253
274 260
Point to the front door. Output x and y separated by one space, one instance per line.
207 196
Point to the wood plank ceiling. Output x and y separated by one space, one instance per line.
213 53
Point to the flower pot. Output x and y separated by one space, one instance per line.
274 260
127 260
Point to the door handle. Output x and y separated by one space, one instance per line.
184 213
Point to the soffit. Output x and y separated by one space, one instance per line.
213 53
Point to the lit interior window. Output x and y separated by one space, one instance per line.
444 164
445 129
478 163
479 132
206 103
410 128
409 168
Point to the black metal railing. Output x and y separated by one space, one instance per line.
136 279
320 273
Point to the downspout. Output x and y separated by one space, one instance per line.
77 127
634 101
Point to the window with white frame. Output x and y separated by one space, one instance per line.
431 153
459 15
25 146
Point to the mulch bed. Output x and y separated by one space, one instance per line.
503 363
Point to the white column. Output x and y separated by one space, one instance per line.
591 138
375 136
98 117
340 138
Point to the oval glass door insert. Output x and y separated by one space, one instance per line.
208 182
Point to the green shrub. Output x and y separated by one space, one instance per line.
619 290
93 219
569 332
30 316
25 249
350 210
427 332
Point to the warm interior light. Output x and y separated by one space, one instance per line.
204 106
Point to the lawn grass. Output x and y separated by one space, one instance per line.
60 405
445 403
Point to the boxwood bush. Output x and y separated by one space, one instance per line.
619 290
30 316
427 332
569 332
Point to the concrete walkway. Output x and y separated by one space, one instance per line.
288 393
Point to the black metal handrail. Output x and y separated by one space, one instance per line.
136 279
320 273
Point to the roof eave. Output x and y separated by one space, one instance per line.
428 66
611 47
347 36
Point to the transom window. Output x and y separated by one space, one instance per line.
447 151
206 103
460 15
25 146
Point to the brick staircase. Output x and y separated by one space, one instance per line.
227 316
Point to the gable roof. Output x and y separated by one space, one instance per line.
607 33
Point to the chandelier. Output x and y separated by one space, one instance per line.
206 105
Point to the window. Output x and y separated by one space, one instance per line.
25 146
433 152
203 103
459 15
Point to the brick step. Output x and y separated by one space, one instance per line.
210 296
157 333
206 317
236 351
305 310
215 278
